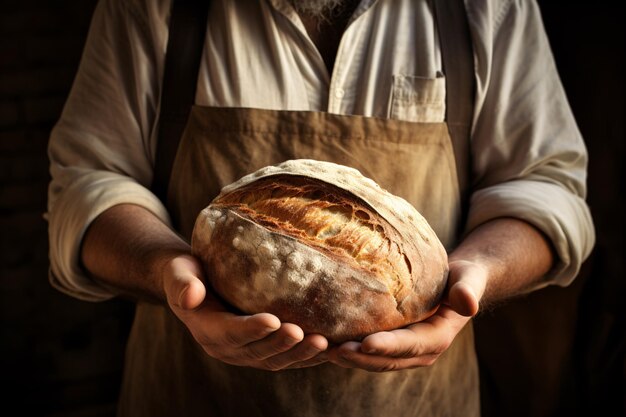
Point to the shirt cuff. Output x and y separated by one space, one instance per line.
562 216
72 213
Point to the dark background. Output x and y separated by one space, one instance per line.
62 357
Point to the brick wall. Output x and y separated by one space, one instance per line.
58 356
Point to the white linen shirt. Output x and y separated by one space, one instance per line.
528 158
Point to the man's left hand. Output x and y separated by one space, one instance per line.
420 344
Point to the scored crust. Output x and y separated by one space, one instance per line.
323 247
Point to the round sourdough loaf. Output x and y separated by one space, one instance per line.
320 245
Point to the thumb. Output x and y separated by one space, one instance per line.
466 286
182 282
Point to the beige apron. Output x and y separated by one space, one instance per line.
168 374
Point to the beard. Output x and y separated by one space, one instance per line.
320 9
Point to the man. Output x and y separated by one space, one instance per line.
358 83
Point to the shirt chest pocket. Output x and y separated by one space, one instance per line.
418 99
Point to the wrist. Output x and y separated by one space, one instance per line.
127 248
511 254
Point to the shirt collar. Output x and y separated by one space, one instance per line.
286 9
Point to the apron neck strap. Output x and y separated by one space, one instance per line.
458 67
458 60
187 30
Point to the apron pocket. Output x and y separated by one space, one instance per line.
418 99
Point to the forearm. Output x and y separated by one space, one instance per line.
131 249
514 254
126 247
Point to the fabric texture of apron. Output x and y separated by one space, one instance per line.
167 372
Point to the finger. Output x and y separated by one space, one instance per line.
318 359
432 336
239 331
305 354
192 294
282 340
466 287
182 283
401 342
350 355
463 300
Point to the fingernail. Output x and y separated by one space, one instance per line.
370 351
314 350
181 296
290 340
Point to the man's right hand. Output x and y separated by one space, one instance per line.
128 248
259 341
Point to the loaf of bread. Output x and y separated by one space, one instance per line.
321 246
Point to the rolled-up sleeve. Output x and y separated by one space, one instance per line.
529 159
101 150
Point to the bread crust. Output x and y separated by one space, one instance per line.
319 245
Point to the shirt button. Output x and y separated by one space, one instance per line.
339 92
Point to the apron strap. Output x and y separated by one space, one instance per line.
458 67
184 51
187 29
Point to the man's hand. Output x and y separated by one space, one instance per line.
497 260
420 344
130 249
258 341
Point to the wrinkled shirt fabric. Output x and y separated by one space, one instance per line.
528 158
